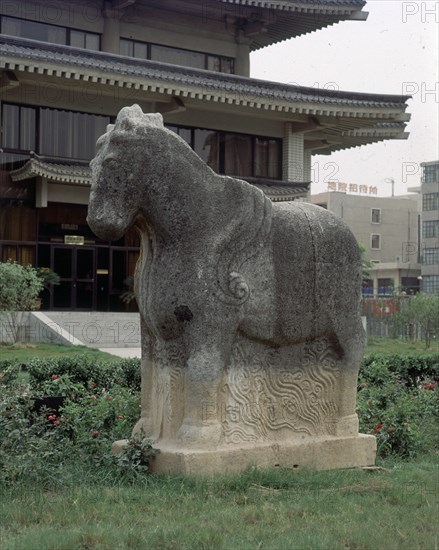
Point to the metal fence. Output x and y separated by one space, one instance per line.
381 318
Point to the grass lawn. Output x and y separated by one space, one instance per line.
53 501
25 352
399 347
272 509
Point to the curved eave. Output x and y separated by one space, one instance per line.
287 19
80 175
166 80
59 173
326 147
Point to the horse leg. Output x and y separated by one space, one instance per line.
351 338
207 356
149 424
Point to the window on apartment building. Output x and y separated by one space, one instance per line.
176 56
410 284
53 34
43 130
430 201
235 154
375 242
430 173
430 283
430 229
386 286
367 287
430 256
376 215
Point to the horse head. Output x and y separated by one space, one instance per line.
118 172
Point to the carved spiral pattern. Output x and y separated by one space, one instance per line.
238 286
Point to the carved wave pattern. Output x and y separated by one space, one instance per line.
266 402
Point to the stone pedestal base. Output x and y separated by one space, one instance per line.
320 453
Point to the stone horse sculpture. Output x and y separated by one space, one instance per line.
251 334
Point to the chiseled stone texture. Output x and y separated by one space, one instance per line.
251 332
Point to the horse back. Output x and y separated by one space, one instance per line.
317 269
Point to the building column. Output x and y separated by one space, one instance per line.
41 192
293 155
242 61
111 32
307 165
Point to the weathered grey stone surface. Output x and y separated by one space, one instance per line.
251 332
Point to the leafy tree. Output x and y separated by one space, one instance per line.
422 310
19 287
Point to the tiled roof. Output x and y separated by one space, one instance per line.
38 57
79 174
60 173
295 5
285 23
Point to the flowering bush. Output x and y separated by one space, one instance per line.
65 423
398 405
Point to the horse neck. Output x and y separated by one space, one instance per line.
186 202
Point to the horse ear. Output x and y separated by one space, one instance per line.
153 120
133 118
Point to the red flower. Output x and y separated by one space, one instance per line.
377 428
54 377
120 416
56 422
95 433
51 417
93 384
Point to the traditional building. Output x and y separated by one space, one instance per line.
67 69
387 227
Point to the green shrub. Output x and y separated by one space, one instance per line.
398 402
101 404
19 287
9 371
84 370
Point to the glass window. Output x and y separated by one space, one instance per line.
92 41
430 256
430 229
235 154
267 158
140 50
431 173
53 34
34 30
177 57
430 283
376 215
79 142
18 128
238 158
87 40
207 146
375 242
386 286
430 201
126 47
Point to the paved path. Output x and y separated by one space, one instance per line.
122 352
